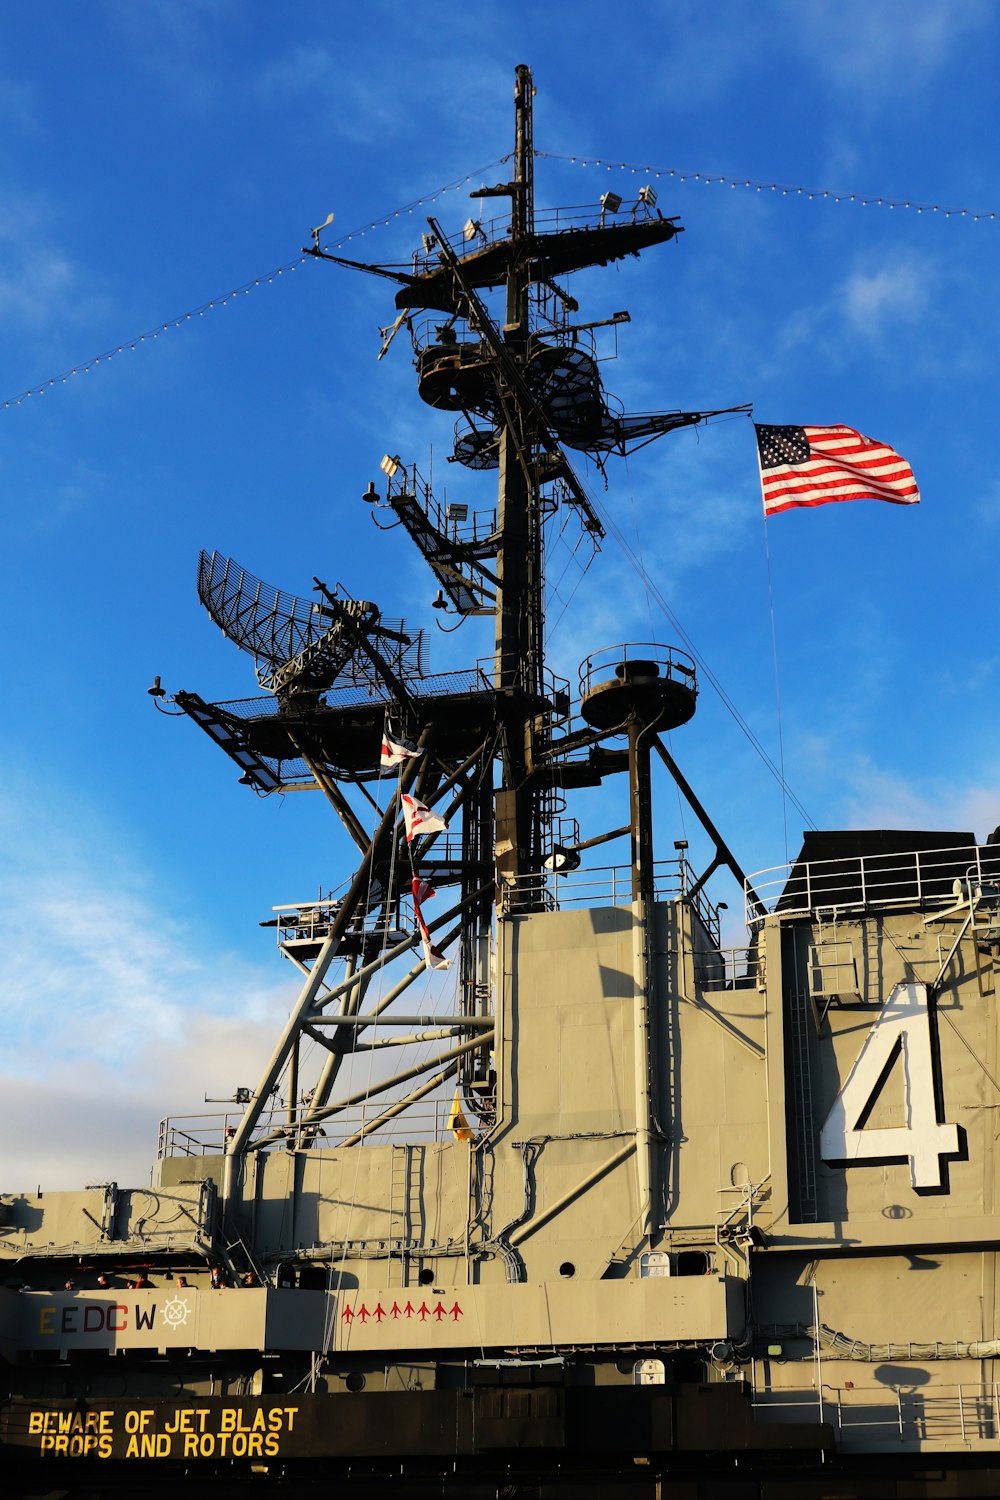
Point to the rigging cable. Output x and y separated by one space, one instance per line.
614 530
777 693
266 278
677 174
786 190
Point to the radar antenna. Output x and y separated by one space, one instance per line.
300 646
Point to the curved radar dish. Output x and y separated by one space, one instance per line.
302 645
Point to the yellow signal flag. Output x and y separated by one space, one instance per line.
457 1121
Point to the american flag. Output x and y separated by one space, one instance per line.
814 465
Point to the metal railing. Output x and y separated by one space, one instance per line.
606 885
890 1416
729 969
196 1135
488 231
920 877
605 665
207 1135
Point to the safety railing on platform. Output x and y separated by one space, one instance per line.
605 885
208 1134
729 969
891 1416
482 231
930 877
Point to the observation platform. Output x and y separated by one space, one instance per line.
343 729
858 870
653 683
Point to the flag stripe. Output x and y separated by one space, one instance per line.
839 481
882 475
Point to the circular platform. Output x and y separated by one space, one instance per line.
656 684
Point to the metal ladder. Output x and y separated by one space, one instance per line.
870 983
800 1019
400 1212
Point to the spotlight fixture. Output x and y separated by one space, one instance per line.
457 512
391 465
471 228
562 860
610 203
648 195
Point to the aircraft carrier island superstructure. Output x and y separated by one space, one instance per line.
607 1210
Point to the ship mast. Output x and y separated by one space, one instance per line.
493 756
519 613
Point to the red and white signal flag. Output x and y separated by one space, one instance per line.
814 465
419 818
433 957
394 752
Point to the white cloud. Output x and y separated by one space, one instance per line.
861 46
18 103
366 95
894 292
879 301
884 799
111 1015
987 507
177 41
41 286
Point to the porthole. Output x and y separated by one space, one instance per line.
567 1269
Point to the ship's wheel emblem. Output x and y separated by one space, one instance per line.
175 1312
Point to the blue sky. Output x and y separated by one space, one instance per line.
155 156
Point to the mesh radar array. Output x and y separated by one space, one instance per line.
302 646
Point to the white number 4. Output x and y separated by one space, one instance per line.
904 1029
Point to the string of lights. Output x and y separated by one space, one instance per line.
268 278
787 190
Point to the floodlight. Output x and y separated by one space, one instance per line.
391 465
648 195
457 512
562 860
610 202
471 228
